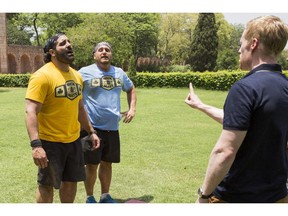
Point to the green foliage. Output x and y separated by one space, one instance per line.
178 68
174 39
28 23
166 36
14 80
283 60
144 29
227 60
130 34
132 69
96 28
58 22
204 46
207 80
40 26
228 56
17 36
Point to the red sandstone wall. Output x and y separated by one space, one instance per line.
23 59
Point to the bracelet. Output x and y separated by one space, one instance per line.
93 132
36 143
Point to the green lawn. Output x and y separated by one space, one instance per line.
164 151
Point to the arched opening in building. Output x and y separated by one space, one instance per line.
12 64
25 64
38 62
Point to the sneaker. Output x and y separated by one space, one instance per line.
107 199
91 199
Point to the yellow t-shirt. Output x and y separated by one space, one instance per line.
59 93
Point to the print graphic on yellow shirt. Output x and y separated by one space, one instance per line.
70 90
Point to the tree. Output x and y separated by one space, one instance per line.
98 27
53 23
175 32
176 38
41 26
130 34
18 32
204 44
16 36
283 59
144 28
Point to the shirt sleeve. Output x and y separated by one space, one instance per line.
37 87
127 82
238 107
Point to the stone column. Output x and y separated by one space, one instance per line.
3 44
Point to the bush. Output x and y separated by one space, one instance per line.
14 80
222 80
206 80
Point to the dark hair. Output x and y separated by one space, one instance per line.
103 43
51 44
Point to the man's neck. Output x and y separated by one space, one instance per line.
61 66
104 67
264 60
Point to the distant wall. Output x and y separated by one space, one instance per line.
17 59
3 44
23 59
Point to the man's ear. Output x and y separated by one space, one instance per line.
52 52
254 43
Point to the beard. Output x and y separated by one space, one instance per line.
66 57
245 64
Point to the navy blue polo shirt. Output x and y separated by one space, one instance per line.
258 104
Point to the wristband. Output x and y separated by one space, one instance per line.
93 132
36 143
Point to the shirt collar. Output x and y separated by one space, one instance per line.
266 67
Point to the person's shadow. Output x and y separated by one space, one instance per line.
142 199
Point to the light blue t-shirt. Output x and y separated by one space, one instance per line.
101 95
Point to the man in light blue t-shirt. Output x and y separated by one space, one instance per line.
102 86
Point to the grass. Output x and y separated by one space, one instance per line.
164 151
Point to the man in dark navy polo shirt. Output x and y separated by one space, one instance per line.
248 163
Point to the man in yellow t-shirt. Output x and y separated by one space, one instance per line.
54 115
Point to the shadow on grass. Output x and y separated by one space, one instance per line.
142 199
4 90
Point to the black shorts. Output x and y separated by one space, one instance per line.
109 150
66 163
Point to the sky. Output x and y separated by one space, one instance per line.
243 18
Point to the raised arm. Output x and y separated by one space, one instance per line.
194 101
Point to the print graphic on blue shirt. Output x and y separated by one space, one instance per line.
106 82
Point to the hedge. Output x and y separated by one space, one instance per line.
206 80
14 80
221 80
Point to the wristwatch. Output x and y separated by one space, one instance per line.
202 196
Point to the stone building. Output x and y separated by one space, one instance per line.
17 59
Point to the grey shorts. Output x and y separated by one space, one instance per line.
66 163
109 150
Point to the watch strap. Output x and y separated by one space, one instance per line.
203 196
